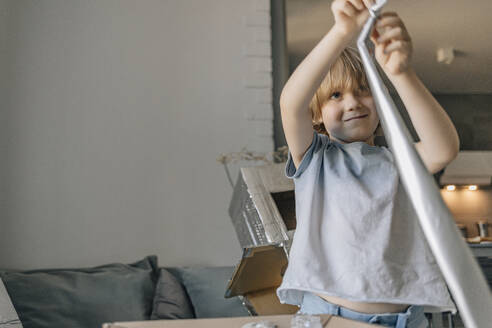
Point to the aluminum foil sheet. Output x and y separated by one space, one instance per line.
257 208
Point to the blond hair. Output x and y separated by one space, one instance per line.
346 73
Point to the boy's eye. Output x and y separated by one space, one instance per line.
335 95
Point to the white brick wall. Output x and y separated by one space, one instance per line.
126 125
257 79
116 138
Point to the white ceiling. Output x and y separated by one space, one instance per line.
464 25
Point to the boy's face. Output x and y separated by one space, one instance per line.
350 116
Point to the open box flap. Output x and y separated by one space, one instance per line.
261 267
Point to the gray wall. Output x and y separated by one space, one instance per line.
113 116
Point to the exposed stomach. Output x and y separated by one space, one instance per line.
365 307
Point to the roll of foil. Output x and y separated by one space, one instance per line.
461 271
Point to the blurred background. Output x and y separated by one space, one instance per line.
113 114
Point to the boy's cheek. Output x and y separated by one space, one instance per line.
369 102
332 118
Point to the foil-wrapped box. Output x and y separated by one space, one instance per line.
262 211
262 208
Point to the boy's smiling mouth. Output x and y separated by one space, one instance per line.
356 117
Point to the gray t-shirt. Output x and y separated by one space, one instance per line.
357 235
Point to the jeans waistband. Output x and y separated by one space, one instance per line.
397 320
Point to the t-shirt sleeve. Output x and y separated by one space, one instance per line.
290 168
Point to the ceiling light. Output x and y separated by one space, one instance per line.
445 55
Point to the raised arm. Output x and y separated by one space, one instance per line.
439 141
349 16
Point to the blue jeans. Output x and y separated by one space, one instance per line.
413 317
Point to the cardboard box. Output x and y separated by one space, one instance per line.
257 277
282 321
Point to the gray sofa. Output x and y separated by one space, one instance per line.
88 297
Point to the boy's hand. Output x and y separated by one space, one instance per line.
393 44
350 15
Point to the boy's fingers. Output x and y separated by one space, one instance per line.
388 13
357 4
396 33
396 45
369 3
374 35
389 20
348 9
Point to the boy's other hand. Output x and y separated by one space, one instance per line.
350 15
393 43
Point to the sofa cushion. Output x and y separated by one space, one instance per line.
206 287
171 300
85 297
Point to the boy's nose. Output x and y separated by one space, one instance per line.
351 102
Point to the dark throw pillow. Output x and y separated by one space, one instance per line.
85 297
171 300
206 287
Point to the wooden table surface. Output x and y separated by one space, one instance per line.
282 321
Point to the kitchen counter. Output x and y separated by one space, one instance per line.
481 249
